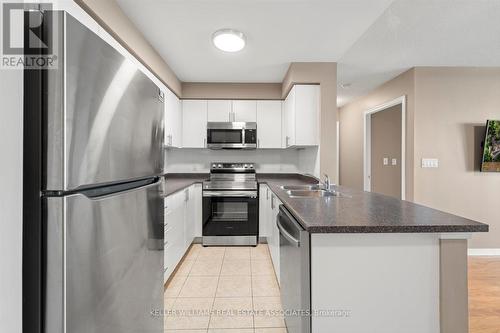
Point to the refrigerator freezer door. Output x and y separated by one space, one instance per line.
108 251
105 117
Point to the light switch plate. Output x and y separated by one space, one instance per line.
386 161
394 161
430 163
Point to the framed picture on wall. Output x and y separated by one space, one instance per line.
491 152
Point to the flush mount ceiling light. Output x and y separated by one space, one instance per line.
229 40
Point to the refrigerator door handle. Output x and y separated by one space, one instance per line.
107 191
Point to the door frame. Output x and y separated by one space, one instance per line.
367 147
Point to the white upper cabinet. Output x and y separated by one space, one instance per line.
194 123
269 124
219 110
301 114
245 111
173 120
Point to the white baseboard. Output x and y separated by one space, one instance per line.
484 252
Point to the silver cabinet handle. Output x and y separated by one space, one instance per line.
267 193
258 143
205 143
272 201
286 141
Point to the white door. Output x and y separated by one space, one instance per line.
269 124
290 118
245 111
219 110
194 123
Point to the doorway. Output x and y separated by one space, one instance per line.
384 148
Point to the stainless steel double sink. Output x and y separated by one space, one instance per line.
310 191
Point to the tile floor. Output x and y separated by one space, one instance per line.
224 290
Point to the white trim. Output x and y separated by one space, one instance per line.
338 154
455 235
367 143
484 252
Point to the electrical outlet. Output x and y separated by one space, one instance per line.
430 163
394 161
386 161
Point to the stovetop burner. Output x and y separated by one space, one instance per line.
231 176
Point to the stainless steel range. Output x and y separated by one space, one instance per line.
230 205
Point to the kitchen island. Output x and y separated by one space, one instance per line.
377 264
380 264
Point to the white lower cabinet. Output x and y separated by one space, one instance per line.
274 234
182 217
264 203
268 212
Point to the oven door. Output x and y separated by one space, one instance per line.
230 213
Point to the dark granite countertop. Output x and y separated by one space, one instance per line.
357 212
175 182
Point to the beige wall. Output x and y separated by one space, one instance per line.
447 112
351 129
386 143
109 15
324 73
452 106
231 90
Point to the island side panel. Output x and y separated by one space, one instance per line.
384 282
454 288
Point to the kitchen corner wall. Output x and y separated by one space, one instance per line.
447 109
215 90
324 73
11 199
351 129
451 109
110 16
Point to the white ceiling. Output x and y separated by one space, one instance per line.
372 40
421 33
278 32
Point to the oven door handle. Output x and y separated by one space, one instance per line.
234 194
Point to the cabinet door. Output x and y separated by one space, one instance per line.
173 120
196 205
194 123
290 119
245 111
188 218
177 130
219 110
269 124
307 102
174 243
275 236
263 210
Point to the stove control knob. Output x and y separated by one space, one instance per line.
214 165
251 166
245 166
219 165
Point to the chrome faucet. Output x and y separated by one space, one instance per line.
326 182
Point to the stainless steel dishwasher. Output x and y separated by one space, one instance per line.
294 273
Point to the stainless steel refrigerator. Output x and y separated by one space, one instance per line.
93 207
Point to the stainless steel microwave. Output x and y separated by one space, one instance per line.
232 135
